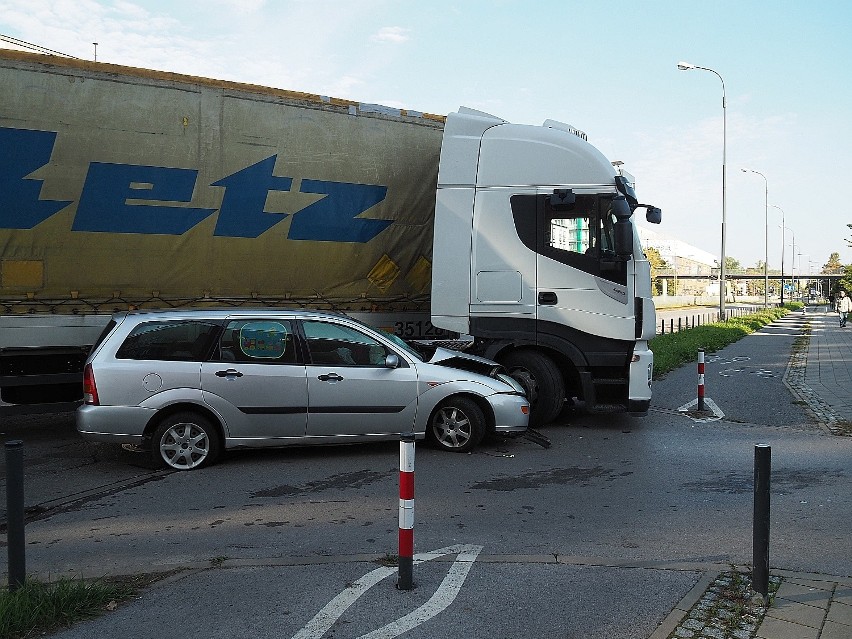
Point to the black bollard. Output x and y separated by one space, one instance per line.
15 513
760 558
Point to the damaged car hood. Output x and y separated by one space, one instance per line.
472 363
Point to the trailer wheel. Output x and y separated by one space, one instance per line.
457 425
542 382
185 441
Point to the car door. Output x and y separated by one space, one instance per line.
256 380
350 389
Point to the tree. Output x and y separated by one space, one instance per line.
731 264
845 282
655 258
833 264
657 262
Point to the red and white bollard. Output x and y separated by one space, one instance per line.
406 511
701 379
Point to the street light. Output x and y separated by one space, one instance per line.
799 282
782 250
687 66
766 236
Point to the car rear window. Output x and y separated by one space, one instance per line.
180 341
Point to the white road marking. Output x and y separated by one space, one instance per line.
708 403
443 597
326 617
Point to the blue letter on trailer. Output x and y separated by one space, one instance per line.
242 213
332 219
103 205
21 153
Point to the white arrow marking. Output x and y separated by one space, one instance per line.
443 597
709 403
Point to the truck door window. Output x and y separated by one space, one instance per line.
578 234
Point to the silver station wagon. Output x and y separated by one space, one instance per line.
188 384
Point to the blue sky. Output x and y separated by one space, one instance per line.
607 68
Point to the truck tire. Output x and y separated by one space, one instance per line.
457 425
185 441
542 382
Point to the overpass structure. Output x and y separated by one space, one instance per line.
824 283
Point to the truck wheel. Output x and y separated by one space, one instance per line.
185 441
542 382
457 425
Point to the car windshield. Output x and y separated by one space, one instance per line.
398 342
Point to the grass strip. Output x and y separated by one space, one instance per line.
676 349
37 608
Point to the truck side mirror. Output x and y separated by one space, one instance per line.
623 227
653 215
623 231
620 208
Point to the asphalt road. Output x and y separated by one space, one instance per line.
599 535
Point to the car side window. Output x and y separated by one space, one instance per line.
178 341
331 344
257 342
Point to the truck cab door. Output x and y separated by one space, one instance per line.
581 282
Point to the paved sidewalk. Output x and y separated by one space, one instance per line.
806 606
821 372
809 606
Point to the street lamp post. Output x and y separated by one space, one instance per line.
686 66
766 236
782 250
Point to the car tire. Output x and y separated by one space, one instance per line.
185 441
457 425
542 383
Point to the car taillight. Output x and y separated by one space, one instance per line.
90 390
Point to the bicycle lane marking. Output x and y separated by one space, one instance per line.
443 597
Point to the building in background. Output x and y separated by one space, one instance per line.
682 259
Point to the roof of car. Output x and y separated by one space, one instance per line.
222 313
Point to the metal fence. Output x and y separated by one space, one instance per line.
685 322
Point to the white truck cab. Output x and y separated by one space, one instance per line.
536 257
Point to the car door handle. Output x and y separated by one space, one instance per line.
229 373
547 298
330 377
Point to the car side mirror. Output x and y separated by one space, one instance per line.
392 361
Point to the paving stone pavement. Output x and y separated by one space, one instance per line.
805 606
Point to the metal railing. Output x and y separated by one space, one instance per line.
685 322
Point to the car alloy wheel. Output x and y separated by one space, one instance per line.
457 425
185 441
